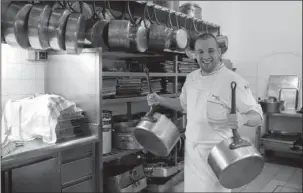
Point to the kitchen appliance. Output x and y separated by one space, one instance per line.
235 161
155 132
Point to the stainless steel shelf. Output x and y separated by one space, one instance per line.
139 74
132 99
117 154
295 115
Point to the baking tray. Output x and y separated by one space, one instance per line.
290 98
276 82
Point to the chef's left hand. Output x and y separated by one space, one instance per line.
236 121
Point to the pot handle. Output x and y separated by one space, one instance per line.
237 140
149 114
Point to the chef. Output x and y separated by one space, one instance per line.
206 98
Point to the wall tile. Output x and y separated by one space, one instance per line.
12 87
12 71
39 86
20 78
28 71
29 86
40 71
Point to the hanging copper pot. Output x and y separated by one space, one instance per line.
38 26
178 36
138 33
15 25
75 33
159 35
56 28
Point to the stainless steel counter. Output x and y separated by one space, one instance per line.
36 150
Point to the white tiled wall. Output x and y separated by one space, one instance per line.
19 78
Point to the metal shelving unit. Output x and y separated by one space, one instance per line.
138 74
117 154
132 99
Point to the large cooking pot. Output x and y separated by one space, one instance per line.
75 33
192 10
15 26
4 6
155 132
272 105
178 36
56 28
158 36
235 161
118 32
38 25
138 33
96 32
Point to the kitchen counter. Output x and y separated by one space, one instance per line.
37 150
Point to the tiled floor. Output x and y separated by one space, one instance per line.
274 178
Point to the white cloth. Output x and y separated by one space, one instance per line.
207 101
33 117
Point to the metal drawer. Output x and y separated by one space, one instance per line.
76 153
76 169
86 186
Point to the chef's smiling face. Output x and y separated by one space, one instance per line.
207 53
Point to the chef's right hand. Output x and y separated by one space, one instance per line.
153 99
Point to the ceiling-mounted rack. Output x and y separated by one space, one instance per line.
163 13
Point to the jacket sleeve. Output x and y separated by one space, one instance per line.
183 98
245 100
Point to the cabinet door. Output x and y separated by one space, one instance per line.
43 176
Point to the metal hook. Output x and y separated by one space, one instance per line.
130 14
111 11
195 28
148 14
169 20
156 19
177 20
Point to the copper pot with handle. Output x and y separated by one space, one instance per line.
159 35
38 25
97 30
56 28
75 33
235 161
15 28
178 36
155 132
118 32
138 33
